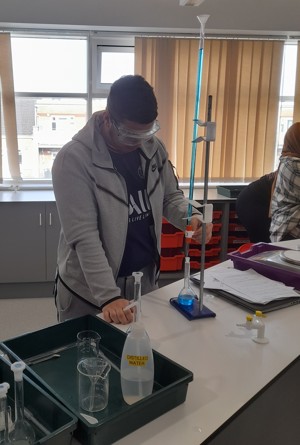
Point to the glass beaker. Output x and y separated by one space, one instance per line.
93 383
87 344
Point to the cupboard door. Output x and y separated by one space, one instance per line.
52 237
22 242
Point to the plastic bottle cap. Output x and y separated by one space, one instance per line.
249 318
258 313
18 368
4 387
137 276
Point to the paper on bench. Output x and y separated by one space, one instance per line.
248 284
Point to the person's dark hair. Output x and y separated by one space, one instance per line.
132 97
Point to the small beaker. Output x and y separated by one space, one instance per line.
93 383
87 344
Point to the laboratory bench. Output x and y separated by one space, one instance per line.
229 368
230 372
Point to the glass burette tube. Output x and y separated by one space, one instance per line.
202 19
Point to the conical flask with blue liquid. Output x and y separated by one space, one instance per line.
186 296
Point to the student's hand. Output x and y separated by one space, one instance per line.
197 229
114 312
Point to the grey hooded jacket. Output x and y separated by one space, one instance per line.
92 203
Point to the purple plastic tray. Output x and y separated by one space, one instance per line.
243 261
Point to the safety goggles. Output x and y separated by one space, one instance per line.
131 137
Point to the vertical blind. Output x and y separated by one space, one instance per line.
9 109
243 77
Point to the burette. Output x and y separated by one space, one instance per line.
202 19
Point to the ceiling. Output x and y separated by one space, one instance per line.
225 16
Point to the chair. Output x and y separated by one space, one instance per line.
252 208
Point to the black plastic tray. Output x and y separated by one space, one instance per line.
52 422
59 377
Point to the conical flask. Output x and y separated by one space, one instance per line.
186 296
22 433
137 366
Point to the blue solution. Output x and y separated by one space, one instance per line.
186 296
195 126
185 300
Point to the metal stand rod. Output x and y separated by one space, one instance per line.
206 172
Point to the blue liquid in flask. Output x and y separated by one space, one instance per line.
186 296
185 300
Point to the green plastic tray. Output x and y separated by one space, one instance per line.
59 377
53 424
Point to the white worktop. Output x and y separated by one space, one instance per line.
228 367
48 195
27 196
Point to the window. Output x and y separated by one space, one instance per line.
53 100
287 92
111 59
49 65
61 78
50 82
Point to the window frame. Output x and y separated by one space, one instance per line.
100 45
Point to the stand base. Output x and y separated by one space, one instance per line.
192 312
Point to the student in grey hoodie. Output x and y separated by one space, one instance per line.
113 184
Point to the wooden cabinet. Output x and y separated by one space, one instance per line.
29 234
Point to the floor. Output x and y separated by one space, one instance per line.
21 315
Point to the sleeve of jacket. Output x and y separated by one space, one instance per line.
85 263
175 204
